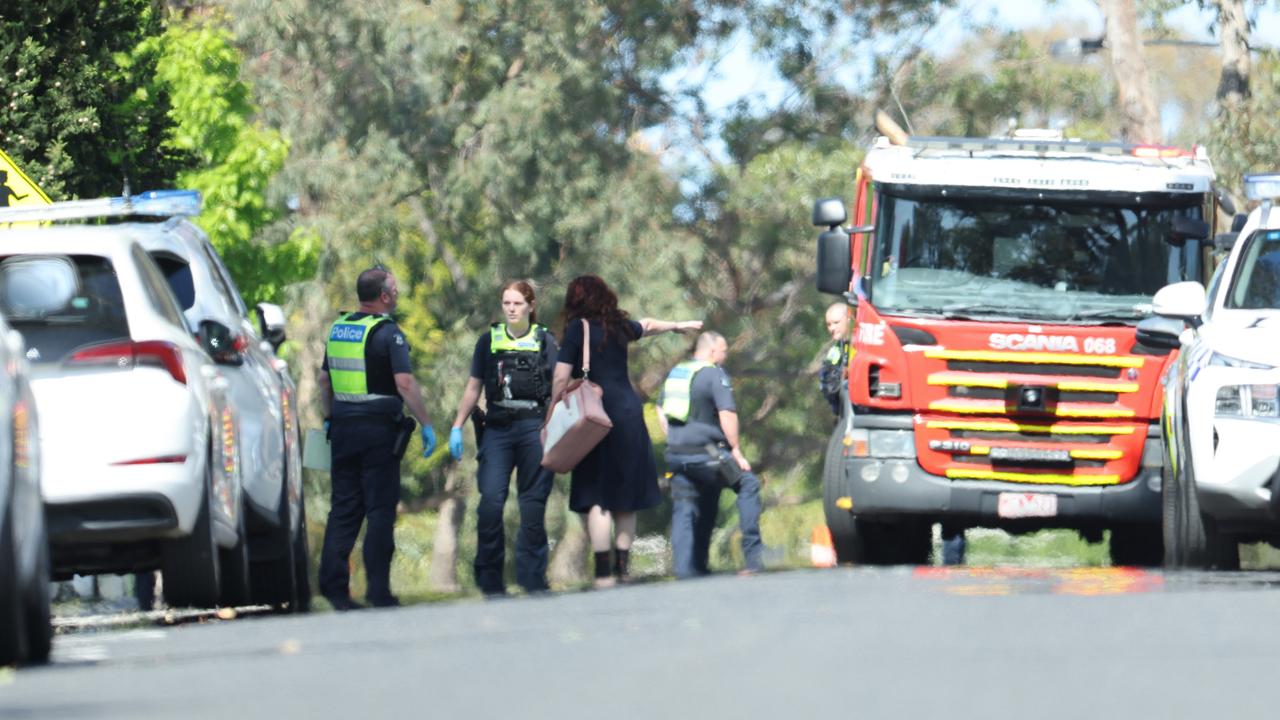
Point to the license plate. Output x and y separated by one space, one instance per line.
1030 455
1024 505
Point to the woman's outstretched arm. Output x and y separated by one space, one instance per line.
654 326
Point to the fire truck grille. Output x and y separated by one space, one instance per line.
1005 368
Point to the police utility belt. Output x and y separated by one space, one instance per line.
720 461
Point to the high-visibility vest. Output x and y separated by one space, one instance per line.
678 387
500 341
516 376
346 346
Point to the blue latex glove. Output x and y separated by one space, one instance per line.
428 440
455 443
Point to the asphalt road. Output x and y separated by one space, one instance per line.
881 643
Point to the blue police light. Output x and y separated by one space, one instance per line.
1262 186
153 203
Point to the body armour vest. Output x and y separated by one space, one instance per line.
348 374
516 376
833 367
678 388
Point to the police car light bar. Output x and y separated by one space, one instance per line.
153 203
1264 186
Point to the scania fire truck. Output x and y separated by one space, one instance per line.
999 374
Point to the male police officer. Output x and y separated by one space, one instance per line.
698 414
365 384
834 365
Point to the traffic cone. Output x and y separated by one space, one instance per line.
822 551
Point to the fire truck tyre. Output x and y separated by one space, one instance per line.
1136 546
302 562
12 629
841 522
39 628
271 572
235 569
190 565
895 542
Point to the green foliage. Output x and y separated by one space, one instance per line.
77 115
1247 139
212 115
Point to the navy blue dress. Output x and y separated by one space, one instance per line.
620 474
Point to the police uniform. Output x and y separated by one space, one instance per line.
516 374
363 355
832 379
694 394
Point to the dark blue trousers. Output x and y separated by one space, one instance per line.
366 487
695 497
518 447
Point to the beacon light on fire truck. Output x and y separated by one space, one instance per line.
1222 405
999 378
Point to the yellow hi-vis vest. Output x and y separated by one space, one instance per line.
678 387
500 341
347 340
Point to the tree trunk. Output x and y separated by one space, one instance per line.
1233 26
1137 106
443 576
568 565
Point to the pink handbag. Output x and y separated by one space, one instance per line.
576 422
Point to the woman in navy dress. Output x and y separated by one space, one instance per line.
619 476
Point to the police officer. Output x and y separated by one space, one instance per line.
697 412
365 384
832 379
512 362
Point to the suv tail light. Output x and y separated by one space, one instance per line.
126 354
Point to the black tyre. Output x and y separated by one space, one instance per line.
1136 546
1174 552
37 616
234 568
840 521
1199 543
190 565
271 567
13 635
905 541
302 562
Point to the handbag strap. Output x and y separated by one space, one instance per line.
586 348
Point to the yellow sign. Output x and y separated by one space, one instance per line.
16 189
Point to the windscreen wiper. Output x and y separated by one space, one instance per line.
1132 313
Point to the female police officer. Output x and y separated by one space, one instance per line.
512 361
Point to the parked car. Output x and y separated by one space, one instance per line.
1221 418
25 632
264 396
141 465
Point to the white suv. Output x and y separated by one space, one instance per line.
264 397
141 465
1222 400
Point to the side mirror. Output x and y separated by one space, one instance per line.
1238 222
1187 228
271 322
224 346
1224 199
829 213
1180 301
1225 241
835 262
1160 332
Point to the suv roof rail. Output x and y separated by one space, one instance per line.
153 203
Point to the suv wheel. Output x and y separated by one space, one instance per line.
190 564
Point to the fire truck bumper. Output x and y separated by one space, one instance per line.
898 486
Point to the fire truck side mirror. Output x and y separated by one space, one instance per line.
829 213
1187 228
1160 332
835 266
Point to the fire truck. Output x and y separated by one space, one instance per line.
1004 370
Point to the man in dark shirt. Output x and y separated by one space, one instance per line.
366 382
836 362
698 414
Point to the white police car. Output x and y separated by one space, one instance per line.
1221 415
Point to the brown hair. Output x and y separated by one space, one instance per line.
526 290
588 297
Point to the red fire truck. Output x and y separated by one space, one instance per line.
999 373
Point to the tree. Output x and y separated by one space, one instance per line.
1141 122
73 117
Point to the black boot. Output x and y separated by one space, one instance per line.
620 568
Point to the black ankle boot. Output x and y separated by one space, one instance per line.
603 566
621 566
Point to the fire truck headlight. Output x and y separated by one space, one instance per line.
893 443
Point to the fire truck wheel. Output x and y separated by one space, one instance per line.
1136 546
840 521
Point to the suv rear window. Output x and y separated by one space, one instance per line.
93 314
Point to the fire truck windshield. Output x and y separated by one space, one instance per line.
1068 258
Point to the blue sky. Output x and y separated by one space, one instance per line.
740 74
